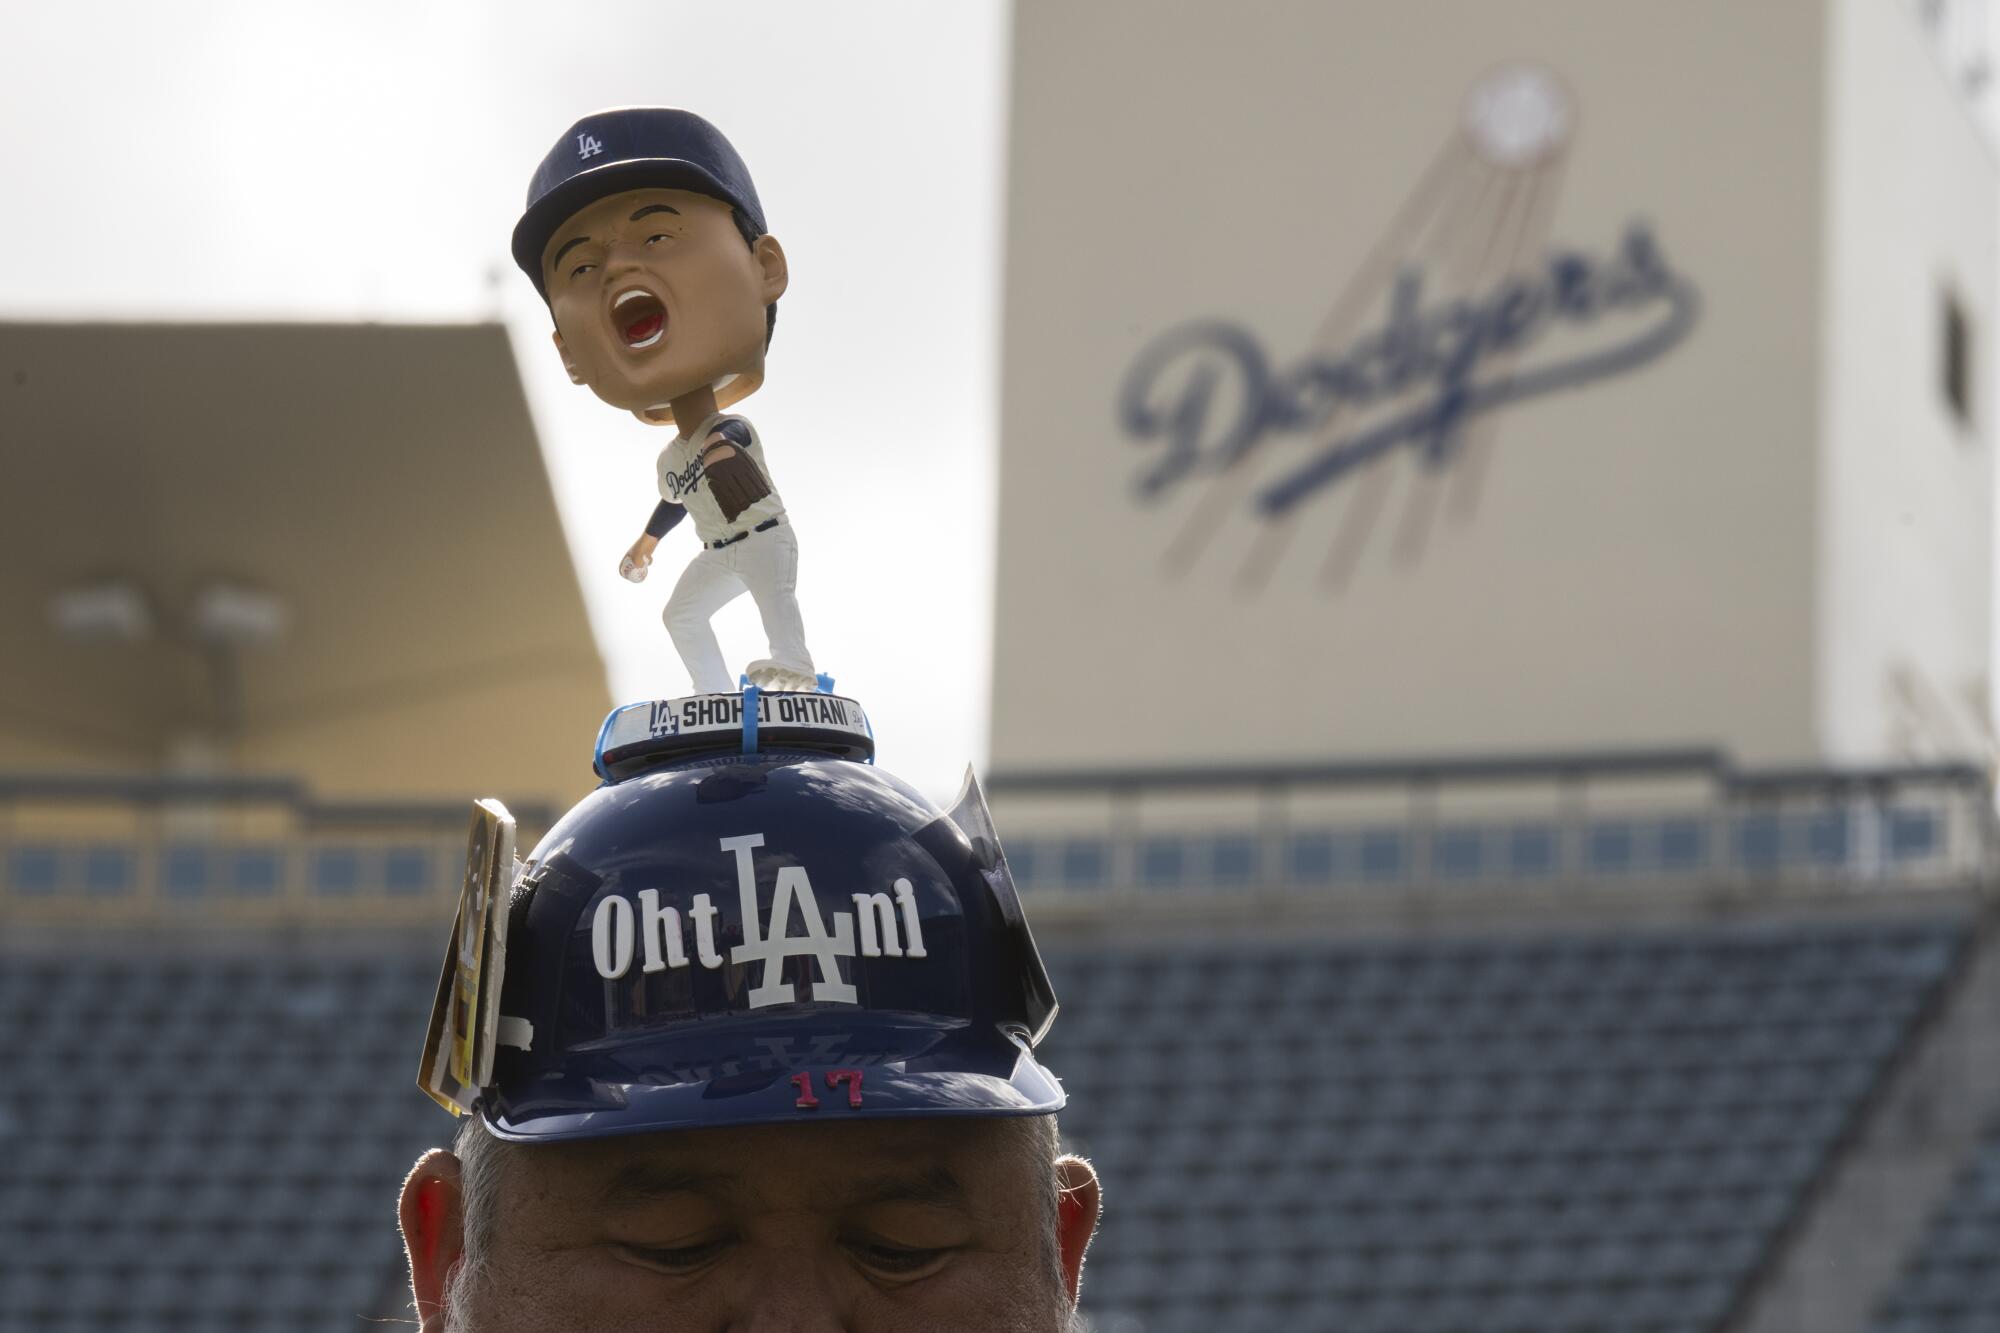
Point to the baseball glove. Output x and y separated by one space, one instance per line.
734 481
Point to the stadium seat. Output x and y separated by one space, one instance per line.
1599 1133
1593 1132
183 1217
1948 1283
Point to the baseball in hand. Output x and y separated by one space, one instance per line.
634 567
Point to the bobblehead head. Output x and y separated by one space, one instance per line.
660 300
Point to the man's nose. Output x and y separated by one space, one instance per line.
790 1297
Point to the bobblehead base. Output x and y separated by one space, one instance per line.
637 735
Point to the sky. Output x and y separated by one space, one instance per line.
367 161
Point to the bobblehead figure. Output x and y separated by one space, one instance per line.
644 234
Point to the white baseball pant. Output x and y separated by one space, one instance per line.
765 565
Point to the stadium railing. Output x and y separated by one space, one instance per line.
148 850
1602 818
156 850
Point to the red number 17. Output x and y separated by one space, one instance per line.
803 1081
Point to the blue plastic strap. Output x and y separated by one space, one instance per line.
604 734
750 719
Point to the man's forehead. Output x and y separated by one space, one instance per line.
929 1160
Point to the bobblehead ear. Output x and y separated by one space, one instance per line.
562 350
770 257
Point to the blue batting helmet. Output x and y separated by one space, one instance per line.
753 938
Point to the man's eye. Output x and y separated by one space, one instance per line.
659 236
581 269
895 1259
685 1259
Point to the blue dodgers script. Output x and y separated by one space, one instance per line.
1181 389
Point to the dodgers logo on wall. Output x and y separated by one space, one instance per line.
1462 309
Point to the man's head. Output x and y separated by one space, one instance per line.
763 1057
964 1223
645 235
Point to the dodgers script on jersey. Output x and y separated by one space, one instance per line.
682 477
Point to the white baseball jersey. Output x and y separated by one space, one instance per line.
681 478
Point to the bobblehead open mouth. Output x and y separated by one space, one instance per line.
640 317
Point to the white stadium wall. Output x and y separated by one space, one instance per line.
1377 386
1905 546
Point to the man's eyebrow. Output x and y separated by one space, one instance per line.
568 245
654 208
647 1182
936 1186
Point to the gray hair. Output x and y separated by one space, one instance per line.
482 1163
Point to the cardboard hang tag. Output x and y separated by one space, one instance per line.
458 1051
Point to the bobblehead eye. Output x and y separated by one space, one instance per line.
659 236
581 269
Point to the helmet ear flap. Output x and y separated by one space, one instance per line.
1037 1000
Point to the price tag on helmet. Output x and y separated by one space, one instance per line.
458 1052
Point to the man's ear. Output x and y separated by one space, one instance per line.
1076 1217
433 1219
562 350
770 257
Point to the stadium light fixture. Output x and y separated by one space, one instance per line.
236 615
110 611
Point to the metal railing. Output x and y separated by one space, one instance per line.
1466 821
157 851
152 850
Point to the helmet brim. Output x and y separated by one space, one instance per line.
910 1066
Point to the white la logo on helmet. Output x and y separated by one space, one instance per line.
587 145
888 929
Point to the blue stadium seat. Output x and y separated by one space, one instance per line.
184 1219
1575 1131
1593 1132
1948 1283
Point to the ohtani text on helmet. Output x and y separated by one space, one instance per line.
621 932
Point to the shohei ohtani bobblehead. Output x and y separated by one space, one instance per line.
645 236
